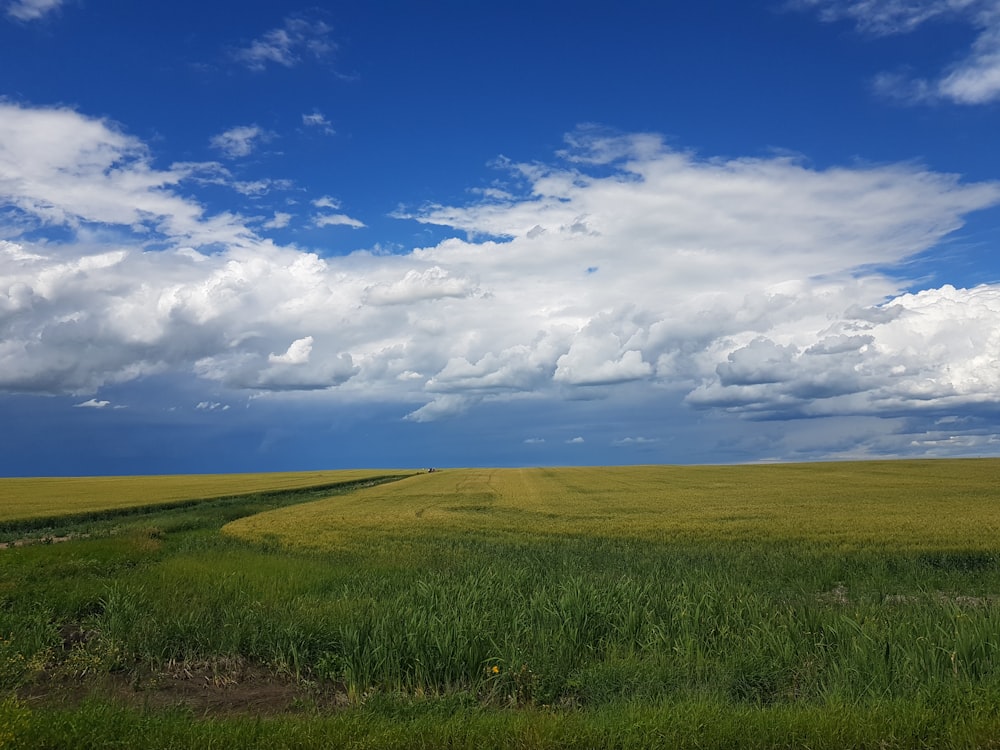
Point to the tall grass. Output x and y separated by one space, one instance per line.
559 624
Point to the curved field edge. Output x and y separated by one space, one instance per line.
26 499
901 505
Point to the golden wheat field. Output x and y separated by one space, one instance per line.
896 504
44 497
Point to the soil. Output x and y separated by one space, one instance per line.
217 689
41 540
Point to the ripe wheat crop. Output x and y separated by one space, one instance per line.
916 505
48 497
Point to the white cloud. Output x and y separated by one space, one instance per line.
59 168
939 349
975 79
441 407
635 441
317 120
280 220
326 201
885 17
337 220
252 187
211 406
518 368
600 361
32 10
255 188
296 370
240 141
289 45
93 403
416 286
332 220
297 354
214 173
747 284
575 441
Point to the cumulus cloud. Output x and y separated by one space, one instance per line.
31 10
516 369
938 351
416 286
297 354
600 361
295 370
974 79
748 284
296 40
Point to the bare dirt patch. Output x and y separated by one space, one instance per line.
41 540
837 596
227 687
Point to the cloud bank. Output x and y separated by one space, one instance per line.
752 285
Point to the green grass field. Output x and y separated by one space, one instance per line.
822 606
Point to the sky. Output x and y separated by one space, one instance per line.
260 236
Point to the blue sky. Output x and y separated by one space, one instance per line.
261 236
